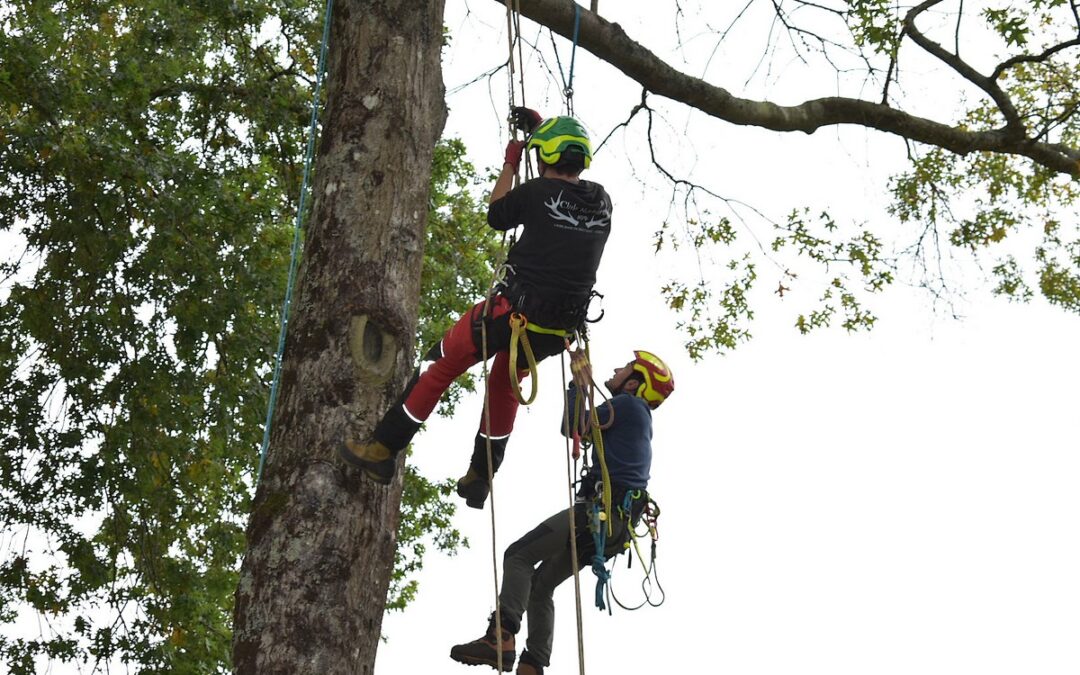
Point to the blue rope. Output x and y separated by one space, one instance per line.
568 85
297 229
573 50
599 532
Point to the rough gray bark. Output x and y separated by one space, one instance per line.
320 538
609 42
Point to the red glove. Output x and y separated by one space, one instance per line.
525 119
513 153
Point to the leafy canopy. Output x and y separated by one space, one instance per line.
1003 74
152 156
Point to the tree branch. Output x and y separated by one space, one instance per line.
1033 58
1013 123
609 42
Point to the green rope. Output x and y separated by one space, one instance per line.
297 229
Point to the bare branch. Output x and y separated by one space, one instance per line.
638 108
1013 124
1033 58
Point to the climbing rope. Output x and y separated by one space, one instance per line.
294 259
599 567
571 460
568 82
491 479
513 35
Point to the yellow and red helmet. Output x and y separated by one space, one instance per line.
658 381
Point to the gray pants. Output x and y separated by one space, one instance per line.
538 562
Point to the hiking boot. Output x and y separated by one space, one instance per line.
473 488
485 651
528 665
378 462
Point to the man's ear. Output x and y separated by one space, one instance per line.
631 385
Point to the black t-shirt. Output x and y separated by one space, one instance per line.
565 228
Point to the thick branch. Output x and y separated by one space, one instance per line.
609 42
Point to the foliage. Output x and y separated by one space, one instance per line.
459 252
152 159
1014 218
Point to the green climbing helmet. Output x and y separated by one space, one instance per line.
557 134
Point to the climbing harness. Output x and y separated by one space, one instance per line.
294 258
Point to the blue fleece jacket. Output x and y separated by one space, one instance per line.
627 443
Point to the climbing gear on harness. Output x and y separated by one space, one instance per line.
636 505
518 334
378 462
557 135
580 369
586 421
649 516
528 665
599 529
658 381
484 651
473 488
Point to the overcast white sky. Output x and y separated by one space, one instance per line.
894 502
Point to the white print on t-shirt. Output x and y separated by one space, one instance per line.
594 218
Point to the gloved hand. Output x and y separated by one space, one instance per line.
513 153
525 119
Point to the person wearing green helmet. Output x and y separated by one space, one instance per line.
549 275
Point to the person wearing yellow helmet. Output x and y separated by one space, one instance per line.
537 563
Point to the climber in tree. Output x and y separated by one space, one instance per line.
549 274
538 562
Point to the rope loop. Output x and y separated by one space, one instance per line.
519 335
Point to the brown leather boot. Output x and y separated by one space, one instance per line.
484 651
528 665
378 462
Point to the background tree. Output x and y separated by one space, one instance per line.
152 155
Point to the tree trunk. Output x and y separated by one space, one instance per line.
321 538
